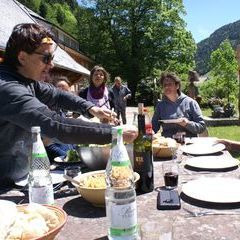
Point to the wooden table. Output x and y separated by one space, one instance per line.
88 222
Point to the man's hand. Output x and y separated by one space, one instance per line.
183 122
126 97
130 133
105 115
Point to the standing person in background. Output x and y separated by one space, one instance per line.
97 92
121 94
175 105
26 101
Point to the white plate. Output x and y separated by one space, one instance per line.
178 120
57 177
62 158
200 140
215 190
202 148
212 162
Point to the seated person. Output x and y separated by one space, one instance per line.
176 105
59 149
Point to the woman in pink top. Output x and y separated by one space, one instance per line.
97 92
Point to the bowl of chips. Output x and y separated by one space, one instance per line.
92 186
35 221
164 147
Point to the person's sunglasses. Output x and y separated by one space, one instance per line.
47 57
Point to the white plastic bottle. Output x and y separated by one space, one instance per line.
39 179
120 196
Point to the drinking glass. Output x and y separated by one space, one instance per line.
179 137
72 171
135 119
170 174
152 230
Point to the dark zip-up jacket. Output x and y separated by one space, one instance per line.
25 103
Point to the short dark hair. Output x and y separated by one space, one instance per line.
172 76
60 78
25 37
99 68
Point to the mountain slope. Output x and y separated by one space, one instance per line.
207 46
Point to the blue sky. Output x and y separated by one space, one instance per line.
205 16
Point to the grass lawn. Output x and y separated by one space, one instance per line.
207 112
229 132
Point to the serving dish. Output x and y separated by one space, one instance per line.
95 196
35 222
164 147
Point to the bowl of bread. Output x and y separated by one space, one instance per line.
163 147
92 186
32 221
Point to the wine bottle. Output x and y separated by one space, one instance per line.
142 149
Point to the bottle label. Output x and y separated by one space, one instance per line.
148 129
124 219
41 195
38 150
39 155
138 161
120 163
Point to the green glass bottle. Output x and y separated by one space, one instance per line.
142 149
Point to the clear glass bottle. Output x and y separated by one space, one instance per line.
39 179
142 151
120 196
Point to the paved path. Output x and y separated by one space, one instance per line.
130 114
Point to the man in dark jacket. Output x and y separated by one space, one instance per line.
25 101
121 94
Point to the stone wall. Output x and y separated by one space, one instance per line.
221 121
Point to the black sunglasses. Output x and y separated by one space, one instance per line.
47 57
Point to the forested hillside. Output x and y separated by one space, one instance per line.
63 13
207 46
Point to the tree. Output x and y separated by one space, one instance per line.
60 15
43 9
131 38
134 37
32 4
224 68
